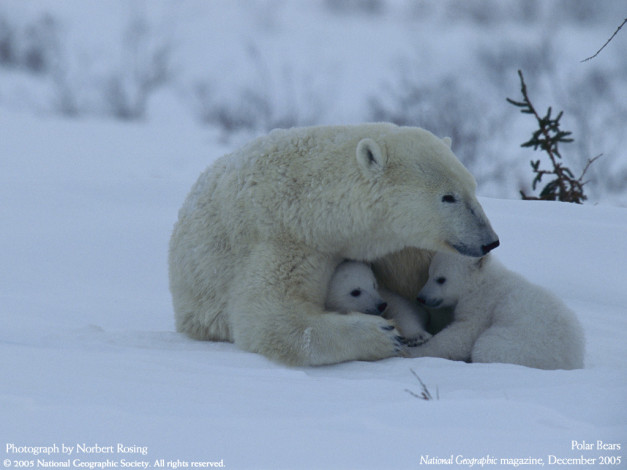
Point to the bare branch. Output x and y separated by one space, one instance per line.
590 162
607 42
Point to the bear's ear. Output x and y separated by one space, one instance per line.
447 141
370 157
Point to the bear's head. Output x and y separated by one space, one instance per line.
428 196
353 288
450 277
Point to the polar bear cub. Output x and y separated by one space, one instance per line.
499 317
353 288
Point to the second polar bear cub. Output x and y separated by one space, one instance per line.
499 317
353 288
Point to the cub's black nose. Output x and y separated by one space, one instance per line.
490 246
382 306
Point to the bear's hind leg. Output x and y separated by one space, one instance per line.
502 344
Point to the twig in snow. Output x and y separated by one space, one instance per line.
425 394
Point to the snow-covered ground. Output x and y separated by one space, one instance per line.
88 351
90 356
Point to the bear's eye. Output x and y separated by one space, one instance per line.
449 198
440 280
356 292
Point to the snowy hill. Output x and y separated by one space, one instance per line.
90 356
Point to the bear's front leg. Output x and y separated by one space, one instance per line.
276 309
453 342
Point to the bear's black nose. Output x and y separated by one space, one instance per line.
490 246
382 306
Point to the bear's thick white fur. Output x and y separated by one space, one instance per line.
499 317
263 229
353 288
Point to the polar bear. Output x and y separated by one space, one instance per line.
499 317
353 288
263 228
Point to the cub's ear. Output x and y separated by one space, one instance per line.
370 156
447 141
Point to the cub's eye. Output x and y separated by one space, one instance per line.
449 198
356 292
440 280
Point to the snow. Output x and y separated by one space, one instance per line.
89 354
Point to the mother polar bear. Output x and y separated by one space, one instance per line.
263 228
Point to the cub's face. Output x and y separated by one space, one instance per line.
353 288
449 276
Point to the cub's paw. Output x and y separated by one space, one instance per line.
417 340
